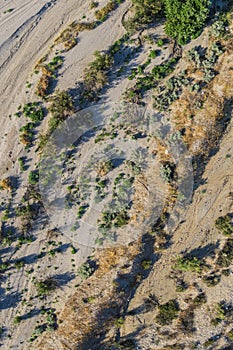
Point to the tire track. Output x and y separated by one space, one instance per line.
23 32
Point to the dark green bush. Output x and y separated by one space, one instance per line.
45 287
17 319
226 254
21 161
199 299
33 177
211 280
167 312
61 107
225 225
34 111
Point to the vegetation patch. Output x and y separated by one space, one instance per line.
61 106
149 80
226 254
190 263
69 36
33 177
86 270
145 12
185 19
170 92
167 312
102 14
225 225
199 300
212 280
45 287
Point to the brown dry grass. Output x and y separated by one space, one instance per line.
200 124
6 184
103 13
78 319
68 37
44 81
25 139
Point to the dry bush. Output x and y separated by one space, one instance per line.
25 139
111 257
186 321
69 36
6 184
80 27
41 61
44 81
102 14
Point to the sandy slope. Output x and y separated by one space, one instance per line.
25 36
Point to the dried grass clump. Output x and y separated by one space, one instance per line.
69 36
111 257
102 14
44 81
25 139
6 184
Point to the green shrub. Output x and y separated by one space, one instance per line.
230 335
17 320
85 270
3 266
21 161
218 28
185 19
146 11
167 171
82 210
33 177
19 264
93 5
181 286
34 111
8 11
146 264
211 280
51 320
171 92
199 299
225 225
192 264
226 272
102 14
45 287
73 249
209 342
37 331
220 313
226 254
55 63
153 54
61 107
167 312
112 219
159 42
119 322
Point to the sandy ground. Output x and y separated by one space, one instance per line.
26 34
